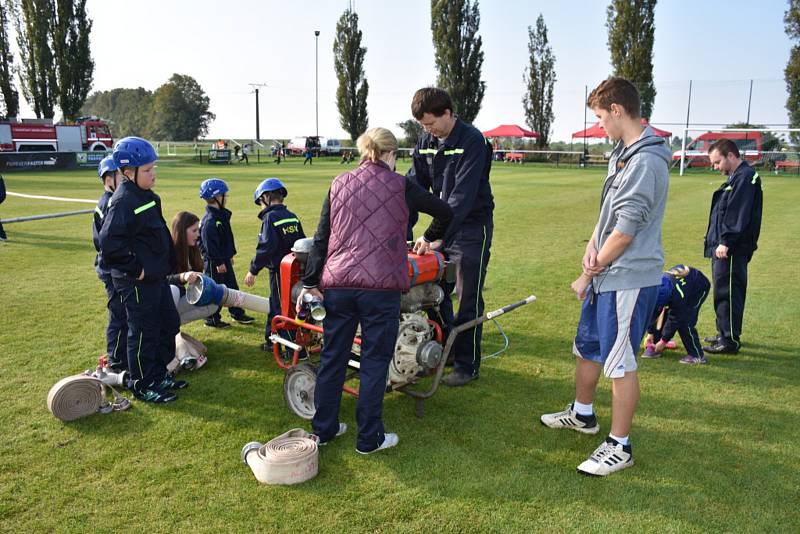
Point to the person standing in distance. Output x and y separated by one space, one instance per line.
452 159
734 225
621 275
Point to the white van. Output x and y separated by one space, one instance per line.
330 147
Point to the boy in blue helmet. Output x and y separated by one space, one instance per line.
117 329
280 228
681 295
136 245
218 246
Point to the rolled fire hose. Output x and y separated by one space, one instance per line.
187 348
77 396
291 458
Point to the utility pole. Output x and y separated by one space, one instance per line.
256 87
316 76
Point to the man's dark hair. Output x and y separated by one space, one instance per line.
724 147
618 91
430 100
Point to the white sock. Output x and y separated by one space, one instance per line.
622 441
582 409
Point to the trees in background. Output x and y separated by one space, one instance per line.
7 90
70 30
412 130
631 29
33 20
458 54
348 61
791 74
540 79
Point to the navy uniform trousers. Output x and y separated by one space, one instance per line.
117 329
378 312
730 289
470 250
229 279
153 323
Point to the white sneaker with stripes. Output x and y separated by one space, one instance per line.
609 457
569 418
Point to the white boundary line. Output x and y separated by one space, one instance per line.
61 199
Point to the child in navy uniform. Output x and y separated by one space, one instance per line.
217 244
680 297
136 245
280 228
117 329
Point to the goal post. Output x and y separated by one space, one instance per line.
698 149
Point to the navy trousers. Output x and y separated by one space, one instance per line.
378 312
229 279
470 250
730 289
117 329
274 300
153 323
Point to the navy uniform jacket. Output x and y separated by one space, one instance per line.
688 293
216 236
100 212
134 235
457 171
280 228
735 218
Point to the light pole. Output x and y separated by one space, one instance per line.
316 75
255 87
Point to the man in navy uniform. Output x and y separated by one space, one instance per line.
732 237
453 160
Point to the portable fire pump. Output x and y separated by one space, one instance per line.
420 350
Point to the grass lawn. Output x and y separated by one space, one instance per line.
716 446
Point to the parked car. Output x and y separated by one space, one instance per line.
330 147
298 145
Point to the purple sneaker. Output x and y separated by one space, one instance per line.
650 352
693 360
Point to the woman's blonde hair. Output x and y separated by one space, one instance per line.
374 142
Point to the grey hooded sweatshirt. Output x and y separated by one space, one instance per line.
633 201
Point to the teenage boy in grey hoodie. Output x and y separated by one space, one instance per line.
622 269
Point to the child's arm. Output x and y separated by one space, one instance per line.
210 236
581 285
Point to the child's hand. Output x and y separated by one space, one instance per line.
222 269
249 279
581 285
190 277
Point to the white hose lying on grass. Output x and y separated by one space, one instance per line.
77 396
291 458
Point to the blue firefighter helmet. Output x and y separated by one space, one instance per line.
665 290
270 184
133 152
213 187
106 165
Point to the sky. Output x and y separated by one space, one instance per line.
718 44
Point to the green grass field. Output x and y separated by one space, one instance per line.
716 446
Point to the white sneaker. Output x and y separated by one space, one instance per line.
389 441
569 418
609 457
342 430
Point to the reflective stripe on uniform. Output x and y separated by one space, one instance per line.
454 151
755 178
428 150
145 207
98 211
284 221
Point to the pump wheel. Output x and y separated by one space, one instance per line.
298 390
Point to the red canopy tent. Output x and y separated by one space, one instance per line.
597 131
510 130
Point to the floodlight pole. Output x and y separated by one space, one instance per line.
316 75
686 130
255 87
585 104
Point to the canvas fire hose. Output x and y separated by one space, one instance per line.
81 395
291 458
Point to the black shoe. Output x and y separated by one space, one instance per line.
713 340
154 394
244 319
458 378
169 382
721 348
217 323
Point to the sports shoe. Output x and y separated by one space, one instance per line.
712 339
342 430
569 418
458 379
722 347
693 360
609 457
243 319
389 441
651 352
154 394
217 323
169 382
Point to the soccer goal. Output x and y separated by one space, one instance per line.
753 143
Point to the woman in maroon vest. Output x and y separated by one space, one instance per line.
358 264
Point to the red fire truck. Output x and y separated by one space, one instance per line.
749 144
88 134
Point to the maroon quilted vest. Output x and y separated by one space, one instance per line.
369 219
